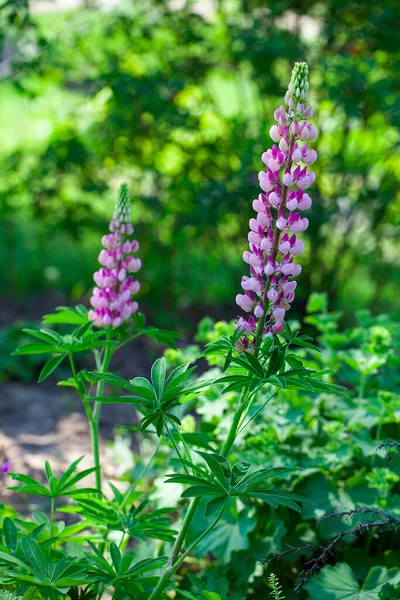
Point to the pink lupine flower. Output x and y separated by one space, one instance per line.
273 237
112 297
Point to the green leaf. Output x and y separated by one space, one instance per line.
36 349
257 367
340 583
67 316
219 467
273 497
158 372
162 336
69 471
228 536
148 564
42 335
190 465
8 558
10 533
276 360
298 341
34 556
48 470
227 361
115 556
178 374
216 504
200 491
50 366
143 388
262 474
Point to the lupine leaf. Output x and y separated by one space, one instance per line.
50 366
67 315
158 372
34 555
10 533
36 348
115 556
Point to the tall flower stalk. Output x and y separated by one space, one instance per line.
112 300
273 243
273 238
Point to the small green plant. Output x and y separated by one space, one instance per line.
274 584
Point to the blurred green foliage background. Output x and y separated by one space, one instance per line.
177 97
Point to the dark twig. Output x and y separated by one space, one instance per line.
388 446
385 522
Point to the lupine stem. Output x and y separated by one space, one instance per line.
51 517
244 425
141 474
163 582
263 254
193 506
95 420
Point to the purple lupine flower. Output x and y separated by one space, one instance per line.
112 297
5 467
273 238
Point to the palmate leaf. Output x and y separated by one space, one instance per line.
223 483
340 583
56 488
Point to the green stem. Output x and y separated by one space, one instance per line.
170 570
194 504
95 420
94 434
141 474
198 540
171 437
377 440
51 517
163 582
184 444
257 411
234 426
362 387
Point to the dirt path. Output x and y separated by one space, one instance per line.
41 422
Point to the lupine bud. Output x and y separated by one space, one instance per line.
310 158
270 289
112 298
274 133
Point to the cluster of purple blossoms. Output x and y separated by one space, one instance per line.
112 298
273 238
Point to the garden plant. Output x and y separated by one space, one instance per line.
276 432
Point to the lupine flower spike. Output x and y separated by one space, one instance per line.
273 238
112 297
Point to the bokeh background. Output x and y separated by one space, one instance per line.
176 97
